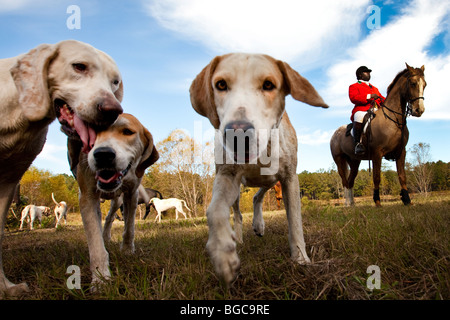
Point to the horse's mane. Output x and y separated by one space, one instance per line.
399 75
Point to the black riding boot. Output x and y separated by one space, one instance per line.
357 131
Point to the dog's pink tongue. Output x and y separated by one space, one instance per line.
86 133
108 180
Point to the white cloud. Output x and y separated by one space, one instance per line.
286 29
386 50
53 156
24 5
315 138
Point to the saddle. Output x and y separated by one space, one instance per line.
366 123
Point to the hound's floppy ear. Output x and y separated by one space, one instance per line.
202 93
300 88
150 155
30 76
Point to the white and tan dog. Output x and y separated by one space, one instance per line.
71 80
60 211
33 212
161 205
245 93
115 165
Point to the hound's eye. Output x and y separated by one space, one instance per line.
80 67
116 82
268 86
221 85
127 132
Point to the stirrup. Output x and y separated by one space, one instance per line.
359 148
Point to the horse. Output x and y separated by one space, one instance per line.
278 194
388 135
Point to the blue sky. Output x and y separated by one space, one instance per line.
160 46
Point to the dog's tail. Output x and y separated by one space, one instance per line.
53 197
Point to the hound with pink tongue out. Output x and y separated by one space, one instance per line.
70 80
114 165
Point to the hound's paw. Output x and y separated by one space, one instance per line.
15 290
127 248
225 259
99 279
301 259
258 227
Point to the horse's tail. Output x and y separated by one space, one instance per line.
53 197
185 205
160 195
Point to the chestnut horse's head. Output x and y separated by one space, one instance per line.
415 85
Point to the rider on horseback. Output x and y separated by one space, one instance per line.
362 94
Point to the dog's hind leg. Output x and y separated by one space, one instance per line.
109 220
25 213
258 220
129 216
33 214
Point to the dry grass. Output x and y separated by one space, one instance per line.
409 244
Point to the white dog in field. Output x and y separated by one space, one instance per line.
161 205
33 212
60 211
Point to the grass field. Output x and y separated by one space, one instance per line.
410 245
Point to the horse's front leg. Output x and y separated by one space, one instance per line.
400 162
376 179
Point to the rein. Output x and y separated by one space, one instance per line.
401 124
408 111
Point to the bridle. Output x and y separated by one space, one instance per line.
407 112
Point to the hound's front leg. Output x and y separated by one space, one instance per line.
130 202
92 221
293 211
221 243
7 287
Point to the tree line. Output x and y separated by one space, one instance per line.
186 169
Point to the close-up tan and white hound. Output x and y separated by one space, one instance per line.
115 165
71 81
246 93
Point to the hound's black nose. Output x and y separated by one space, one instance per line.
108 110
235 125
104 157
239 137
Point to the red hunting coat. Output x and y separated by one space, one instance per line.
358 93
